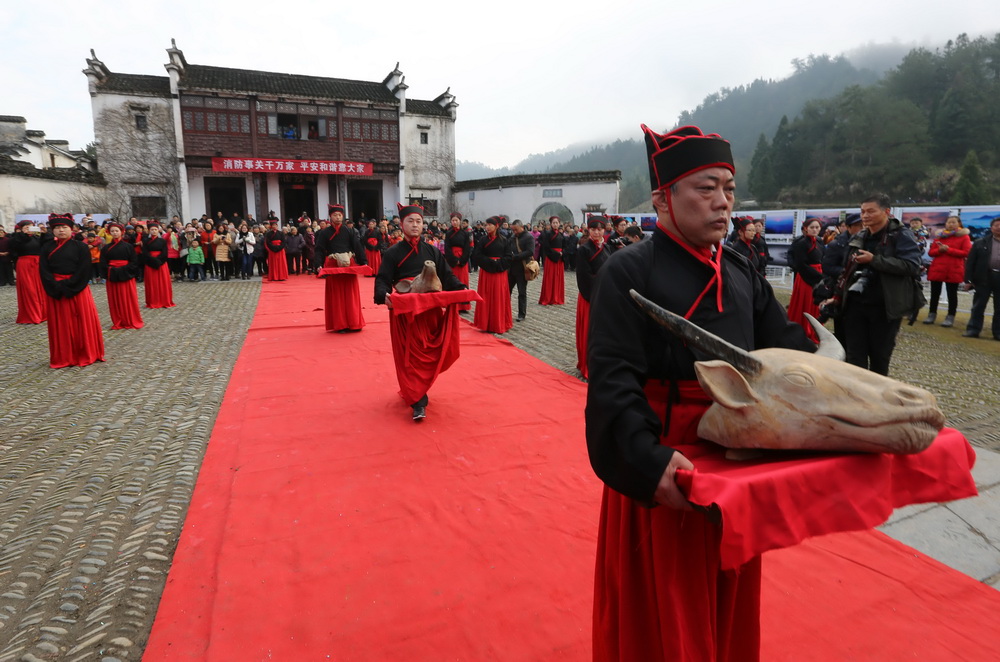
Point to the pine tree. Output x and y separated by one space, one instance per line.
970 189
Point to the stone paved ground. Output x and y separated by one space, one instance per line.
97 464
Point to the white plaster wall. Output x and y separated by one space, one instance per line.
520 202
430 168
28 195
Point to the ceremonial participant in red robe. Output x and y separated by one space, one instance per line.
590 257
553 271
156 272
806 260
277 262
119 269
659 593
75 337
744 242
457 251
424 341
342 296
25 247
493 255
374 245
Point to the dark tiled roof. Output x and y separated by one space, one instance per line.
549 178
17 119
421 107
220 79
21 169
158 86
34 133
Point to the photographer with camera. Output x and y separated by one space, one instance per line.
878 287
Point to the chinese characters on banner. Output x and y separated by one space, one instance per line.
232 164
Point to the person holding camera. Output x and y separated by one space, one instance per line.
879 285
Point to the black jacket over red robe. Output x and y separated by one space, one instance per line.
402 261
749 251
338 239
150 246
375 240
589 259
803 256
551 245
119 250
627 348
274 240
426 343
493 255
75 336
457 247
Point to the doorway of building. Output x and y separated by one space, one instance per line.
365 200
297 199
226 194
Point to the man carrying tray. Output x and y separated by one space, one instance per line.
659 591
423 326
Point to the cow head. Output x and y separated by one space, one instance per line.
786 399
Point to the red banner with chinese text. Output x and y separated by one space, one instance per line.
240 164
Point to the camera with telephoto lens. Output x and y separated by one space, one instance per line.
859 281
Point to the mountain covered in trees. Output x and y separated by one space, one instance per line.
833 131
910 134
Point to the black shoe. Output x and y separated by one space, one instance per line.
969 333
520 318
419 413
930 318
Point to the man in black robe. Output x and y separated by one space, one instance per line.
659 594
425 343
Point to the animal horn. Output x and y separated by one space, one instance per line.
699 338
828 344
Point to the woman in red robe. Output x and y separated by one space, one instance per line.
75 337
159 287
492 255
590 257
119 269
457 251
277 262
806 260
554 271
25 246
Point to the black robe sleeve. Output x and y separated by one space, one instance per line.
73 259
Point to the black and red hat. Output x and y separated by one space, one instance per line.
684 151
21 224
332 208
596 222
456 214
742 222
114 224
554 218
61 219
406 210
495 220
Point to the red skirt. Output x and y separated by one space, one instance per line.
343 303
31 306
75 336
374 261
423 346
553 284
123 304
802 302
277 266
462 274
159 288
582 321
493 312
659 594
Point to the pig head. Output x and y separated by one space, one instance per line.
786 399
340 259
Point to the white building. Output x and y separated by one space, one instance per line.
39 176
205 139
536 198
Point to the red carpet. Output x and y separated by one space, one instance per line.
327 525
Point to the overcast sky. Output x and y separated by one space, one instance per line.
529 76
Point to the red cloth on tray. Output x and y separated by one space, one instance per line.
788 497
